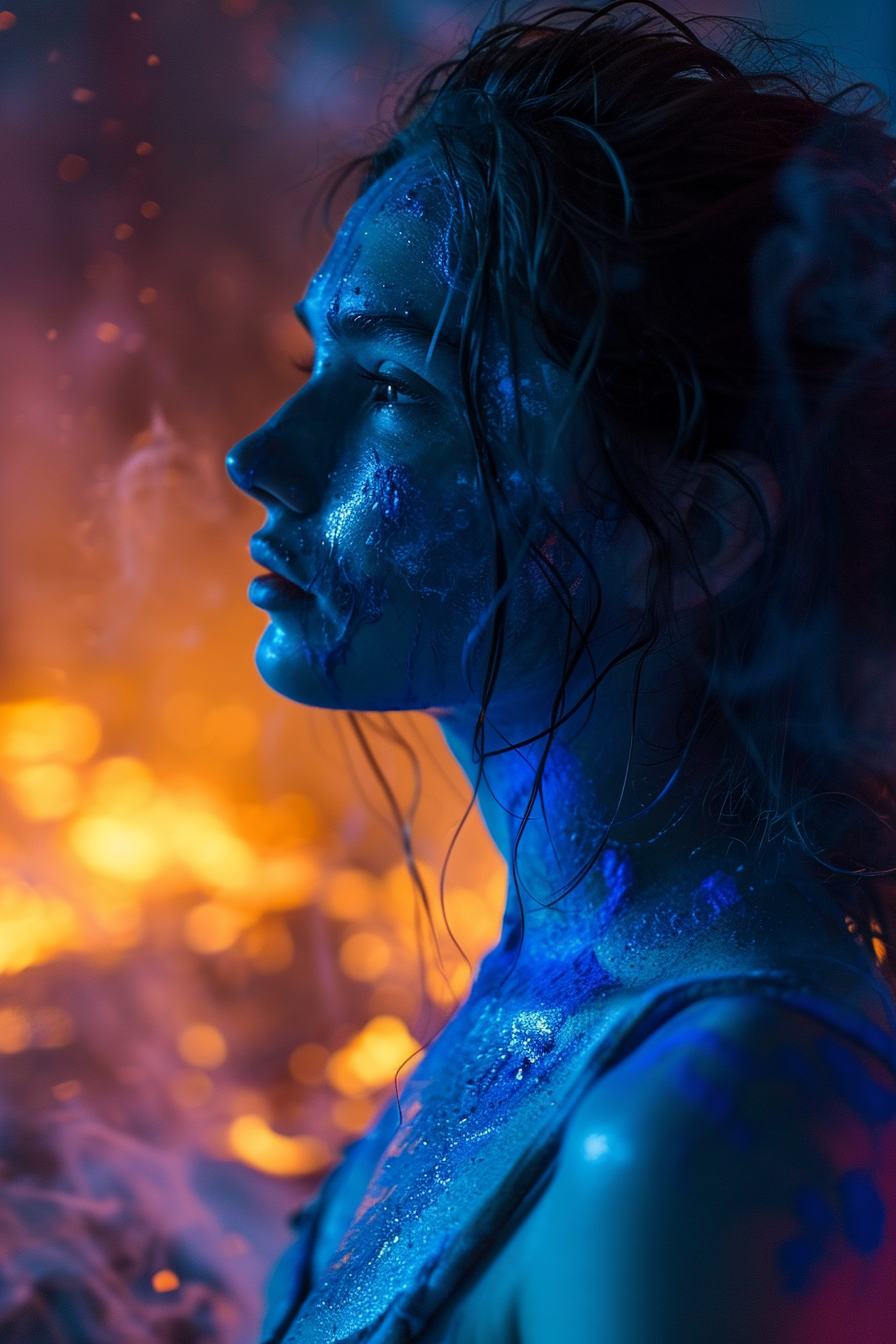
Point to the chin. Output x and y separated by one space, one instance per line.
366 672
291 669
320 679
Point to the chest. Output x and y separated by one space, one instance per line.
479 1124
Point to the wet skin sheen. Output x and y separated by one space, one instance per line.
727 1183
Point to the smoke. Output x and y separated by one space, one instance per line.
208 964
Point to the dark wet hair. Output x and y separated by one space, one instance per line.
702 222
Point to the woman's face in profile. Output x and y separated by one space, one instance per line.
379 540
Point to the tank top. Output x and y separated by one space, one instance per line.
441 1187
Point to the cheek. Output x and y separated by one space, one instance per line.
576 554
566 585
565 572
409 529
366 512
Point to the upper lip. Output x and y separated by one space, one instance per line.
270 556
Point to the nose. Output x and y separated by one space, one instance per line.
274 463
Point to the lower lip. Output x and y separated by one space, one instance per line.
272 592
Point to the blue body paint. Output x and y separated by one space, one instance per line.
797 1258
814 1212
862 1211
862 1216
676 915
794 1067
799 1255
715 894
715 1102
875 1103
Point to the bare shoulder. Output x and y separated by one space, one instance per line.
734 1179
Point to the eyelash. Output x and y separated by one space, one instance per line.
379 379
384 381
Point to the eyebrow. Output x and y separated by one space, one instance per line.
360 326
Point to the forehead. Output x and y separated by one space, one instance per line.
394 253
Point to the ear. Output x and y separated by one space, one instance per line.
728 509
722 513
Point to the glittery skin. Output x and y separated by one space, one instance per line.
378 526
676 913
474 1102
497 1079
469 1109
375 509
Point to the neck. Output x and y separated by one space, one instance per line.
573 839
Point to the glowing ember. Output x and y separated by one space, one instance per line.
72 168
364 955
308 1064
41 730
36 926
128 839
203 1045
373 1057
210 962
15 1033
67 1091
254 1142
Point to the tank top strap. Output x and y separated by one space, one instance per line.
661 1005
290 1283
655 1009
444 1278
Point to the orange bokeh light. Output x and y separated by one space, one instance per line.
165 1281
210 949
72 168
255 1143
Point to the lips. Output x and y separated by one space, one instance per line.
272 592
276 589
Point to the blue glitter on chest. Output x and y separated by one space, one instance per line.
474 1105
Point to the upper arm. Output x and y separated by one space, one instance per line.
733 1180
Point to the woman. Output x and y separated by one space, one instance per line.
595 462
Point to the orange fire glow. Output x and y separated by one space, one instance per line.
130 843
211 951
